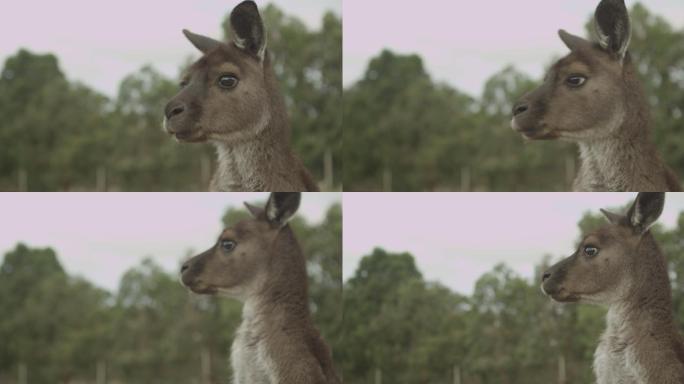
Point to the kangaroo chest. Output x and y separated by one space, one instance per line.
599 171
612 166
615 362
250 360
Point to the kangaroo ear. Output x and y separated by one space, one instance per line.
203 43
614 218
281 206
574 43
255 211
646 209
611 22
248 29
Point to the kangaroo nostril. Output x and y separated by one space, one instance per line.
546 276
519 108
177 111
184 267
174 110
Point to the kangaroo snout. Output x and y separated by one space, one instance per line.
185 266
174 108
519 108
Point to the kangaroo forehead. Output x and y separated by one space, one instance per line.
606 235
587 59
224 55
243 228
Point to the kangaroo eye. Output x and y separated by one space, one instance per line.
591 251
228 245
227 81
575 81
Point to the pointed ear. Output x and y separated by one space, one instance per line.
645 211
248 29
611 22
281 207
203 43
614 218
255 211
574 43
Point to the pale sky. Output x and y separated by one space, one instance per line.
457 237
100 42
101 235
463 42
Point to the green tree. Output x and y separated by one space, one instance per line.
51 124
53 324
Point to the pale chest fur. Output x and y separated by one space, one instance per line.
236 171
611 166
615 362
249 358
252 168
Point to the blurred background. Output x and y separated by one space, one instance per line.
89 289
428 90
445 288
83 86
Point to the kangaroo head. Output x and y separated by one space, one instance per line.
605 264
237 265
224 94
583 95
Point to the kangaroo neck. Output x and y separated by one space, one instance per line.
646 305
278 304
623 161
253 164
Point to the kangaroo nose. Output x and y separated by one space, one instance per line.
173 109
185 266
546 276
519 108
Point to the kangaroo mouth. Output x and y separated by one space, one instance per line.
190 136
198 286
202 289
560 295
183 134
533 132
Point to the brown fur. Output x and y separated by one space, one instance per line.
277 341
608 116
641 343
248 124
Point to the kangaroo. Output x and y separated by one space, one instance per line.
230 97
621 267
593 97
259 262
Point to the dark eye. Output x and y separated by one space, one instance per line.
575 81
227 81
228 245
591 251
